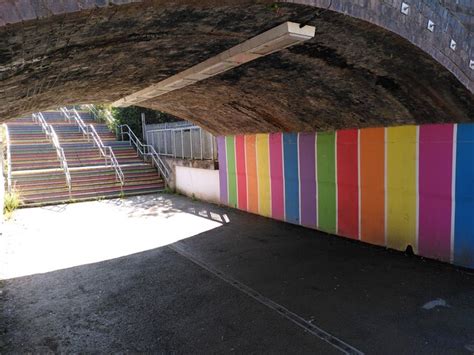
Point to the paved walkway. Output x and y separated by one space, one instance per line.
166 274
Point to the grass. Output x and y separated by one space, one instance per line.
12 201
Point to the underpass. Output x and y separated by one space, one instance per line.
168 274
348 124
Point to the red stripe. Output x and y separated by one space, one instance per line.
347 184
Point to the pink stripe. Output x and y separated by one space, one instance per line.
241 172
435 175
276 173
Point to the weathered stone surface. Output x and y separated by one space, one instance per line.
352 74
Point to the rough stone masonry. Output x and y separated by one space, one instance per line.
368 65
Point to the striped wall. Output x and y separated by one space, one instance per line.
394 187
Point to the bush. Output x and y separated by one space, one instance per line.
132 116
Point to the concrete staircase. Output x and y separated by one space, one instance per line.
39 179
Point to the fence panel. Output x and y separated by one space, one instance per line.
181 140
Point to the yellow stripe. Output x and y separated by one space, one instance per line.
263 174
401 187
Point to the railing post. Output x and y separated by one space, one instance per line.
211 137
200 140
174 143
153 139
191 143
182 145
144 127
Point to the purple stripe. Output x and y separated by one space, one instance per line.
307 163
221 153
435 176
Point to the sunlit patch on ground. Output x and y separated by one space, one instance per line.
39 240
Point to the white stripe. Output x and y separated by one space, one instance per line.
227 167
283 176
359 185
417 187
335 183
270 176
385 139
316 177
256 173
246 175
453 190
299 176
236 175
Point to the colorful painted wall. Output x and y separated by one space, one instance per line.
395 187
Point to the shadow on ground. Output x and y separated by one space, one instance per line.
160 301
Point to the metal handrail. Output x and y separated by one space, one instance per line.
9 158
147 150
111 156
90 132
53 137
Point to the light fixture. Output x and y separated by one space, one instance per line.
280 37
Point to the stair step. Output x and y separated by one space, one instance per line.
40 180
97 193
56 201
52 183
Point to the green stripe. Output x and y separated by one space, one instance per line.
231 171
326 182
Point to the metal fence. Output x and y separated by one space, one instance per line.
182 141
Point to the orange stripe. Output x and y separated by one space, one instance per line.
372 173
252 187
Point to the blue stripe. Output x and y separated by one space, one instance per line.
292 203
464 209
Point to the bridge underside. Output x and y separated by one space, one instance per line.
351 74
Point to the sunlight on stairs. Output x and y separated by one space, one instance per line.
39 179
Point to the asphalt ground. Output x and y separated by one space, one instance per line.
166 274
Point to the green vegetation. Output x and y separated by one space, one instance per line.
101 112
11 202
131 116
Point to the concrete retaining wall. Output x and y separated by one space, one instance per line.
202 184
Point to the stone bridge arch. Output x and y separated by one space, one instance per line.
368 65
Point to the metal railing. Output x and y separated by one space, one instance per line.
187 142
53 138
90 132
146 150
9 158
